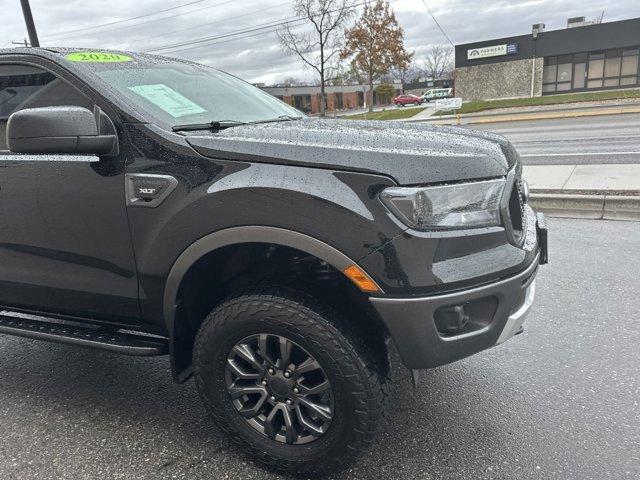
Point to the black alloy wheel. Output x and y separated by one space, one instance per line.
279 388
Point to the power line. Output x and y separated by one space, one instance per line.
235 38
71 32
262 26
268 27
436 22
226 19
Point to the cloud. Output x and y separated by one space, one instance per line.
255 54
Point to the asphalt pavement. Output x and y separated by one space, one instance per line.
573 141
560 401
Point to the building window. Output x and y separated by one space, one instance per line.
591 70
613 60
630 62
596 70
302 102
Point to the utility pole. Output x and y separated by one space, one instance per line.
28 19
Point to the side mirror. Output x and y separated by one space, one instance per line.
58 130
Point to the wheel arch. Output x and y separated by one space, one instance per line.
228 238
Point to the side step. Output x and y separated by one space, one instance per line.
83 335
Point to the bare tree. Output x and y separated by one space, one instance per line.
439 62
320 45
405 74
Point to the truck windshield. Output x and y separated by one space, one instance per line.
183 94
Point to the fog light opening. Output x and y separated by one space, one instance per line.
476 314
451 320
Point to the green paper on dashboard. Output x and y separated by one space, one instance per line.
168 99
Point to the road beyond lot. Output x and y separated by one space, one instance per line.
573 141
561 401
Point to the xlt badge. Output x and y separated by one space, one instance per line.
146 190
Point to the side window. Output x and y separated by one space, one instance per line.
23 86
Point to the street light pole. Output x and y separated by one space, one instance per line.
28 19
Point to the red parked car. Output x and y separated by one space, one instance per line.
402 100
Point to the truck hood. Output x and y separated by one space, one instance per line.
410 153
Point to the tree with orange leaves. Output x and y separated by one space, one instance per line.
375 44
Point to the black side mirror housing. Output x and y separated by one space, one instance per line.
50 130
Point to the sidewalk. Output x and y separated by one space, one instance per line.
356 111
610 191
542 112
424 115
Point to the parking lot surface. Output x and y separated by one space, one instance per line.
570 141
559 401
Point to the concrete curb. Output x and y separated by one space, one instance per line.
600 207
540 115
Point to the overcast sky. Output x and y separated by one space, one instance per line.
246 48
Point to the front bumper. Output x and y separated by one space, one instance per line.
481 317
496 313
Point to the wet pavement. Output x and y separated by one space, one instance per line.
560 401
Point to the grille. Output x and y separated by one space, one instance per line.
517 214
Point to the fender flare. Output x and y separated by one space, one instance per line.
235 236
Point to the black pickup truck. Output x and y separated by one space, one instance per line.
153 206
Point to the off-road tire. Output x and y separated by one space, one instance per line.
351 368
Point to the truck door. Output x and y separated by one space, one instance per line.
65 246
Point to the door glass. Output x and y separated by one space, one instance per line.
564 72
17 83
549 75
23 86
579 70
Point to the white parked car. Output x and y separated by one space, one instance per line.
436 93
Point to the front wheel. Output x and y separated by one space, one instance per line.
284 375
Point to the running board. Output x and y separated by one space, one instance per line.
71 333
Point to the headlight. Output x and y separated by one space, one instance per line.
447 207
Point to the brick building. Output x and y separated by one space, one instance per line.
339 97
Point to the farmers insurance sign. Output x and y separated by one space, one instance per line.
492 51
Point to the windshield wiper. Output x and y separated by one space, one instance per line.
215 125
222 124
281 118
